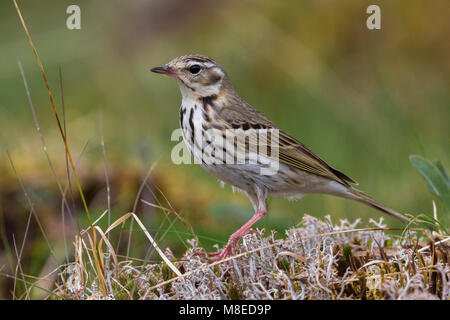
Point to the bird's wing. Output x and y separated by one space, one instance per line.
291 151
296 154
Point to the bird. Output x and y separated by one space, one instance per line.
211 107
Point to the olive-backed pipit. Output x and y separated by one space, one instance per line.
211 105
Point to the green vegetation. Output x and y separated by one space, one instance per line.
438 185
436 178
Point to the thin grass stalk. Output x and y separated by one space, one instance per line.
44 147
98 266
69 184
55 114
19 267
30 203
108 188
4 238
23 244
62 135
149 237
136 201
29 283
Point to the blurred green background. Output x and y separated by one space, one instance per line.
364 100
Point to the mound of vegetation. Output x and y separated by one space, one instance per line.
317 260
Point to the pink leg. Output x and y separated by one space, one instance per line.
225 252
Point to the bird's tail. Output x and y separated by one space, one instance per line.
364 198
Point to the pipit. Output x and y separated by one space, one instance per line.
211 108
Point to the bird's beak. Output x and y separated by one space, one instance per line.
164 70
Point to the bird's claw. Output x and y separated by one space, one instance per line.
221 254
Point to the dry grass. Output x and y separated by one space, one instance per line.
317 260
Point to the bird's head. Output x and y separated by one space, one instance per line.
198 76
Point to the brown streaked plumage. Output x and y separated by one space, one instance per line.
210 104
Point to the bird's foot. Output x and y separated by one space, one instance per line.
218 255
221 254
230 247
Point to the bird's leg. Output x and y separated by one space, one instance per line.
234 238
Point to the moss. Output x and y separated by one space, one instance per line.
347 252
234 293
284 264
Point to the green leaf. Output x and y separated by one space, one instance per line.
443 172
435 176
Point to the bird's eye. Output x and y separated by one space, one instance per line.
194 69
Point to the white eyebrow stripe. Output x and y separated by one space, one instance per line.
192 63
209 64
206 65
